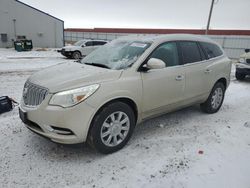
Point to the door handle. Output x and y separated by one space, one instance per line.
179 77
208 71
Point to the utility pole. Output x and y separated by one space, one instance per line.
209 17
14 23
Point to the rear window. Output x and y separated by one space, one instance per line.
190 52
212 50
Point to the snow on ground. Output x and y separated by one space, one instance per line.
186 148
29 61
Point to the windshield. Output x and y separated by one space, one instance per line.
79 43
118 54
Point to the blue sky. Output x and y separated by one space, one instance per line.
227 14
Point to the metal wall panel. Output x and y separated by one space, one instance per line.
19 19
233 45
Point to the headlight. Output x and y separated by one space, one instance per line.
242 60
72 97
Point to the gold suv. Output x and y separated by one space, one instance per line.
101 98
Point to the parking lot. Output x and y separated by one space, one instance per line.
186 148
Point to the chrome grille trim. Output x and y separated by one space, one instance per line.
33 95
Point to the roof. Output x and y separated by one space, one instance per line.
86 40
167 37
38 10
161 31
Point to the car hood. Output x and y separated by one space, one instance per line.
71 48
72 75
246 55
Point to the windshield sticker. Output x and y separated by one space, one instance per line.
139 45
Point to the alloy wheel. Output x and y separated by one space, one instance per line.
217 98
115 129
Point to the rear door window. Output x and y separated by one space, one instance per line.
190 52
97 43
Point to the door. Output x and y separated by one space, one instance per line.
197 69
97 44
88 48
163 88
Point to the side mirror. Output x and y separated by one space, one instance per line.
154 63
247 50
83 45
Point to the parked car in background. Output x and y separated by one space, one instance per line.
101 98
81 48
243 65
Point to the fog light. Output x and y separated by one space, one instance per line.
62 131
49 128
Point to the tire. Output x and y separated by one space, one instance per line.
76 55
240 76
215 99
67 56
109 134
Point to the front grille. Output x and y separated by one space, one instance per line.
63 51
248 61
33 95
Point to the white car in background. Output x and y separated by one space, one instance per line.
81 48
243 66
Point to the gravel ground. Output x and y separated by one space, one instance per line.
186 148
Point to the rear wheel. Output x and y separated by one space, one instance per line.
215 99
76 55
112 127
239 76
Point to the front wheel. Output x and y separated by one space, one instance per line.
76 55
112 127
215 99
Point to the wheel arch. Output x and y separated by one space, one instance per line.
77 51
125 100
223 80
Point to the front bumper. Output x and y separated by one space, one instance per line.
66 53
243 68
61 125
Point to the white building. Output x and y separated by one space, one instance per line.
19 20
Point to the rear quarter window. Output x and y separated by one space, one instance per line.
212 50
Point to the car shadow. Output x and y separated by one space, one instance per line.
177 119
246 80
151 128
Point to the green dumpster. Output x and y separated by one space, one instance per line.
19 46
27 45
23 45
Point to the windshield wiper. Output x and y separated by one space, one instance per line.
98 65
